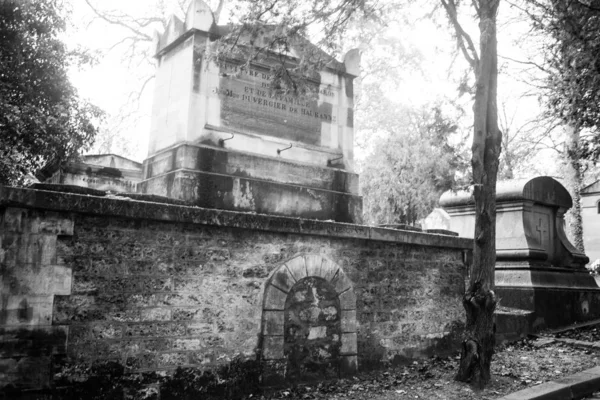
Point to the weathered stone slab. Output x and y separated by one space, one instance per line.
297 267
283 279
274 298
348 300
341 282
348 344
273 347
328 269
348 319
348 365
273 322
313 264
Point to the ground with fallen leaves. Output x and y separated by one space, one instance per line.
515 366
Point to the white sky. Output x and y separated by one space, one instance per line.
108 84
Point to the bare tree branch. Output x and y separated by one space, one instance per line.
465 43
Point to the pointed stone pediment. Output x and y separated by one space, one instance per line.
175 28
199 16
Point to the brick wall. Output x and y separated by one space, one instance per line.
157 286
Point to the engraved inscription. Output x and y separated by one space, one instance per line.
248 105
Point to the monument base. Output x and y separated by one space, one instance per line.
213 177
555 297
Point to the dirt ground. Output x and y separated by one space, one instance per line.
515 366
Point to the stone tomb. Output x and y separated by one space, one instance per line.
221 139
538 271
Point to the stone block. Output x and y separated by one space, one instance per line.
49 223
171 360
61 280
26 372
348 344
41 249
156 329
348 321
25 310
189 344
29 249
200 328
348 300
37 279
155 314
328 269
273 347
106 331
274 298
273 322
141 361
189 284
186 313
313 264
155 345
12 219
33 341
297 268
283 279
181 299
127 315
348 365
341 282
144 299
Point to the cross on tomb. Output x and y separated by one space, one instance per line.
541 228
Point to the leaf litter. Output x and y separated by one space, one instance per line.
515 366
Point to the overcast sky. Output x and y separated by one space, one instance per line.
110 82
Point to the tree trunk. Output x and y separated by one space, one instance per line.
574 182
480 300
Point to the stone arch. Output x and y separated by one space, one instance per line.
282 283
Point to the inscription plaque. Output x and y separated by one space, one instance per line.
247 104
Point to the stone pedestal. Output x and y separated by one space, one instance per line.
221 138
538 271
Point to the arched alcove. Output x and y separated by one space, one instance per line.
309 319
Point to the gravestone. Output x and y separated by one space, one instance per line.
539 273
220 138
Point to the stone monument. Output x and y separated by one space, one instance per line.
220 138
538 270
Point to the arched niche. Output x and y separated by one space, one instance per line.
309 319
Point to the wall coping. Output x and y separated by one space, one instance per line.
117 206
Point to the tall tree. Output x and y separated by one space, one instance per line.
480 300
42 120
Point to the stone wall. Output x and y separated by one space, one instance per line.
157 286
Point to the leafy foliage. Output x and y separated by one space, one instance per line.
572 63
42 120
403 178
